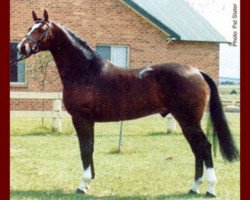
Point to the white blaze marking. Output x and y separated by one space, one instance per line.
35 26
86 179
27 47
211 180
144 70
19 45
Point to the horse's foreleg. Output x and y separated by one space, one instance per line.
85 133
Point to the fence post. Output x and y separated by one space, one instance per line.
57 115
171 124
120 137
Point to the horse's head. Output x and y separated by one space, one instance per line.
38 36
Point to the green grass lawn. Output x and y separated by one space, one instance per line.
152 164
225 91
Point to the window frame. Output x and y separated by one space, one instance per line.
12 83
116 45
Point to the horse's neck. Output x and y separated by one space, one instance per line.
74 61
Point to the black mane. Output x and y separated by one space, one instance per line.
81 41
87 59
82 45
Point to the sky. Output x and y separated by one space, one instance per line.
221 15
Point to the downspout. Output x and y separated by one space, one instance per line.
169 39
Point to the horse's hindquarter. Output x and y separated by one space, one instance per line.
185 90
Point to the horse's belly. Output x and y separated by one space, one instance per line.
125 104
126 111
118 116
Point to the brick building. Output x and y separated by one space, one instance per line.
130 33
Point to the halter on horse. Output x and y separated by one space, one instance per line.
95 90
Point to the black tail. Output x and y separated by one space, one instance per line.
228 148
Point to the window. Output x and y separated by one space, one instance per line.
118 55
17 70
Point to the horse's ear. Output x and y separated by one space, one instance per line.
45 15
35 18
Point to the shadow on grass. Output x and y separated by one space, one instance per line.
158 133
59 194
41 131
121 150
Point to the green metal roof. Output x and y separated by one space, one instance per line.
178 19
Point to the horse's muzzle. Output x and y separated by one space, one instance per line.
21 49
24 48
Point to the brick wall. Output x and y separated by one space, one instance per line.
102 22
32 104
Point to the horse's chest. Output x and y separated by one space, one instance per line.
79 100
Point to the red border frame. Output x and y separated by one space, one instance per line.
4 101
245 71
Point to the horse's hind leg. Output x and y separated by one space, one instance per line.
202 152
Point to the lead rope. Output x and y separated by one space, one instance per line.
19 59
44 82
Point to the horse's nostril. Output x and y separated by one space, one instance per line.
18 49
35 48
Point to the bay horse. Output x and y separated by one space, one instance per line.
95 90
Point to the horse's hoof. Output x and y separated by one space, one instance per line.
210 195
192 192
78 191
